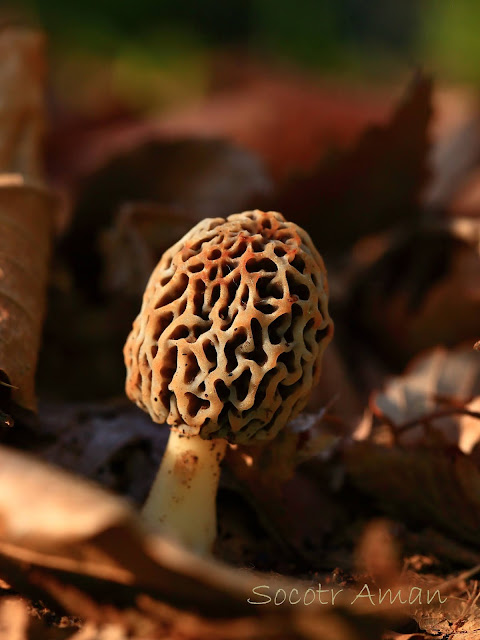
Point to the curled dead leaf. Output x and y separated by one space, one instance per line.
373 187
416 458
141 232
287 501
336 390
26 220
22 108
112 443
423 485
83 550
197 178
421 292
466 202
13 619
312 119
437 399
27 211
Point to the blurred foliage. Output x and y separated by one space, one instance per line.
338 35
322 33
160 48
450 38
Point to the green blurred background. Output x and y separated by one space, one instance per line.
351 37
312 32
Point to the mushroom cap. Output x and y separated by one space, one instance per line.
234 321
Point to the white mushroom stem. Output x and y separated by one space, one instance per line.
182 501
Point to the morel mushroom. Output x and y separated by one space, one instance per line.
226 348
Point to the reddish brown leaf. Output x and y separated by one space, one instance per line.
22 109
201 178
422 292
289 121
423 485
134 244
26 217
83 550
466 202
27 211
242 107
374 186
114 443
436 399
287 501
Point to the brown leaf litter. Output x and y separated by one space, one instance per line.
305 504
27 210
82 550
422 291
380 179
415 453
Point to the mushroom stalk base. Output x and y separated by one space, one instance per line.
182 500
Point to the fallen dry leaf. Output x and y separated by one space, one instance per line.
27 211
113 443
302 504
425 485
201 178
421 292
456 145
243 108
452 159
373 187
118 446
467 201
337 389
436 398
13 619
77 527
415 453
134 244
312 120
287 500
26 216
204 176
83 550
22 108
